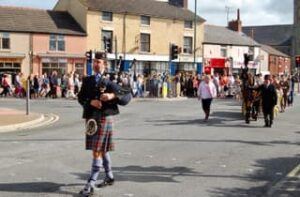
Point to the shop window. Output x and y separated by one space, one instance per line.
188 45
8 65
145 42
4 41
145 20
57 43
17 65
107 16
79 69
60 68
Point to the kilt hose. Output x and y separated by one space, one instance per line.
102 140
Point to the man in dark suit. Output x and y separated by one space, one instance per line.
269 100
100 98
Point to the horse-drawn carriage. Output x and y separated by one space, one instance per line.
250 94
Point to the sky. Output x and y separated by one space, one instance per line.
253 12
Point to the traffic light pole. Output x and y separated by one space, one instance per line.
116 54
195 34
170 58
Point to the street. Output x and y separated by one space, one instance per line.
163 149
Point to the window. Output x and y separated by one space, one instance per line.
251 53
145 42
4 41
60 43
107 16
188 45
106 41
145 20
223 51
57 43
188 24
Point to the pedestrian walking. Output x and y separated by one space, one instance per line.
36 86
284 83
5 85
100 98
291 93
206 92
269 100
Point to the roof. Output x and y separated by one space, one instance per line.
17 19
222 35
274 35
272 51
142 7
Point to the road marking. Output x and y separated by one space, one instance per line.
294 172
128 195
280 184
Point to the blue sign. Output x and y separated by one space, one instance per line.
89 70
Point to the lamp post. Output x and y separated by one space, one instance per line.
195 33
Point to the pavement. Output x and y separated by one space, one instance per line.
14 120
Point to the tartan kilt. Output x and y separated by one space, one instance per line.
102 140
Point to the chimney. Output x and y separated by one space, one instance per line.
179 3
185 4
236 25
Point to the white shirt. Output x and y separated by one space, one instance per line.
206 91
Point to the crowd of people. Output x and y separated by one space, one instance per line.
267 94
47 86
183 84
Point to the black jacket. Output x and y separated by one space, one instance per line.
90 91
269 96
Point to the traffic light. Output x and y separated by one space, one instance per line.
298 61
89 55
107 44
174 51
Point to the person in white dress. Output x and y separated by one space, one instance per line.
206 92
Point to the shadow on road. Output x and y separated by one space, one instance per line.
270 172
155 174
217 119
38 187
255 143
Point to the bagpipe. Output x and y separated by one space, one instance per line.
100 88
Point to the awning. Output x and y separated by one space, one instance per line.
12 55
217 63
61 55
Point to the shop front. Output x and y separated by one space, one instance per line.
11 64
253 67
62 64
216 65
150 64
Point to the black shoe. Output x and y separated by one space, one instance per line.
107 181
87 192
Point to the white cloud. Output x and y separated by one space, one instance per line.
253 12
